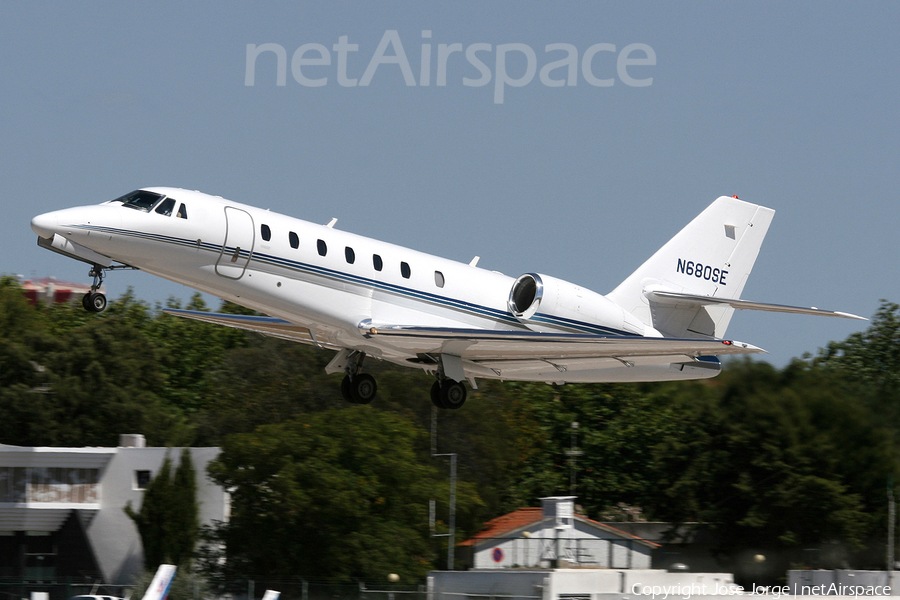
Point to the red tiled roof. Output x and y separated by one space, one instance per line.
498 527
509 522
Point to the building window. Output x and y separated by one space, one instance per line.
266 233
323 248
294 239
404 270
377 262
350 255
439 279
141 480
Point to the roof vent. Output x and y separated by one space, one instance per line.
560 508
132 440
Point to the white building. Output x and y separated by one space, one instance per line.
62 509
579 584
553 535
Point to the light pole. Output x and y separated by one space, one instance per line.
451 525
573 455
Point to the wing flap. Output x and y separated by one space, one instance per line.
271 326
484 345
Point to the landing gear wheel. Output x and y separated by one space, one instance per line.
436 395
94 302
363 388
453 394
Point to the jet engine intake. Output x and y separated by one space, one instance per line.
545 303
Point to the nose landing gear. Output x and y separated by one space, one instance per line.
95 301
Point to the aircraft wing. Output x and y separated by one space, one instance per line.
482 345
270 326
491 345
666 297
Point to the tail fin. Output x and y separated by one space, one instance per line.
162 581
712 256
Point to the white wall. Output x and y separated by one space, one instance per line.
582 545
597 584
114 537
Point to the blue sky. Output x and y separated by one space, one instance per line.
789 105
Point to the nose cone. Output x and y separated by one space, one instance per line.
45 225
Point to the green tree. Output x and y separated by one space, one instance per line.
772 460
168 520
185 512
340 494
871 359
153 519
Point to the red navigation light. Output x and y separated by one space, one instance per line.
727 342
735 197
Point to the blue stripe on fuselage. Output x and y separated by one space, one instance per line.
312 269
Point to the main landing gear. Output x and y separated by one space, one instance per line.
446 393
357 387
360 388
95 301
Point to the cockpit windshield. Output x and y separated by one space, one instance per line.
140 200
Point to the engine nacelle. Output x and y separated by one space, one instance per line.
545 303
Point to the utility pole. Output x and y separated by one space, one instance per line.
451 524
890 537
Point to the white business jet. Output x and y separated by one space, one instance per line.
366 298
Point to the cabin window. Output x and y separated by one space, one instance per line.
182 212
165 207
266 233
323 248
377 262
350 255
439 279
294 239
404 270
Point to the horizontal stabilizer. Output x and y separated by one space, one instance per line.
666 297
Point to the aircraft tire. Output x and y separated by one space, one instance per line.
98 302
453 394
436 395
94 302
363 388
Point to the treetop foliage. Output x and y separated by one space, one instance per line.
771 460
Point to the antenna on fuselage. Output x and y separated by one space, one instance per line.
331 223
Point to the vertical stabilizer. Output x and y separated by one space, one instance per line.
712 256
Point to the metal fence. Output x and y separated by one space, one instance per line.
236 590
58 591
308 590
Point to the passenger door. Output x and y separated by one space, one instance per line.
238 246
